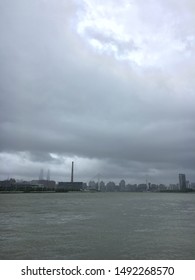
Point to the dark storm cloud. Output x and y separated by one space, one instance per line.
59 97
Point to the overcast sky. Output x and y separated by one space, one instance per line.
108 84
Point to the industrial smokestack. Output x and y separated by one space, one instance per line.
72 172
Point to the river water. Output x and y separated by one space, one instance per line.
103 226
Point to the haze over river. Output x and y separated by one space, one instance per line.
97 226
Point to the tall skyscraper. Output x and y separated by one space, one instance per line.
182 182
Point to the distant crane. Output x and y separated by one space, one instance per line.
48 175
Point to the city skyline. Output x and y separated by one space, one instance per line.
182 183
108 85
45 185
47 175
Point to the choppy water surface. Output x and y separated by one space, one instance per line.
97 226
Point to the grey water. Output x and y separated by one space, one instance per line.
105 226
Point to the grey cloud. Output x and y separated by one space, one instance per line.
40 157
56 97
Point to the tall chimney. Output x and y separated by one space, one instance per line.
72 172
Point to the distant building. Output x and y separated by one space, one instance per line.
47 185
8 185
26 186
188 184
142 187
174 187
162 187
110 187
182 182
85 187
131 188
153 187
69 186
192 185
92 185
122 185
102 186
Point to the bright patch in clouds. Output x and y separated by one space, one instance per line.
24 165
134 31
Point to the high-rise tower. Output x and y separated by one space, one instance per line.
182 182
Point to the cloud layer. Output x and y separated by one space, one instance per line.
110 86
